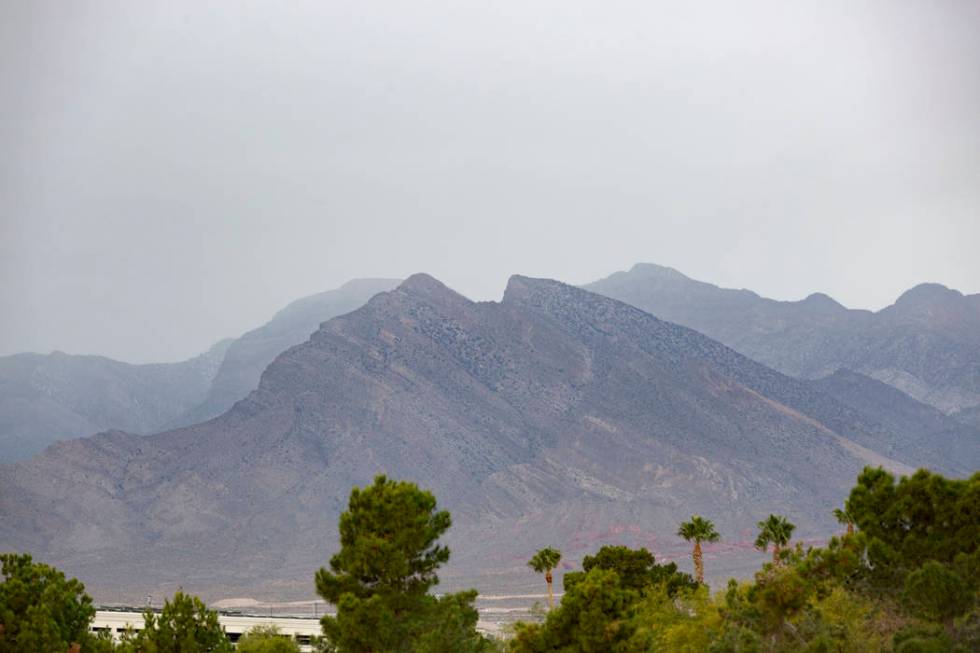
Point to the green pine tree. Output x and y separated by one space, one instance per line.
381 577
184 625
41 610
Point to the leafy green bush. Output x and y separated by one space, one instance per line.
266 639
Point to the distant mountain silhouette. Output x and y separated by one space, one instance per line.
556 416
250 354
927 344
45 398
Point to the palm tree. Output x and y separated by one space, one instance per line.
775 530
844 517
543 562
699 530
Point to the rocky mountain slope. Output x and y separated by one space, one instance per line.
910 424
969 416
250 354
556 416
927 344
44 398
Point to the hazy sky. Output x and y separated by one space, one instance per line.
174 172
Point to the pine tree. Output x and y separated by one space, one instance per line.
41 610
380 578
184 625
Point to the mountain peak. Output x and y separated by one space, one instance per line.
654 270
927 294
369 283
427 286
521 289
822 300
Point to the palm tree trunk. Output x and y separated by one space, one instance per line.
698 563
775 555
551 594
850 528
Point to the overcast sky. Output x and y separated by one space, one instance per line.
172 173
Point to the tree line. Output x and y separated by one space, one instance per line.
905 577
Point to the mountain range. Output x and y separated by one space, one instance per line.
555 416
44 398
50 397
248 356
927 344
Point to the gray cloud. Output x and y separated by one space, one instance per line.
174 172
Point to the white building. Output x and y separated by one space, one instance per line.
299 628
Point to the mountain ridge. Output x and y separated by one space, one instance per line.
252 352
47 397
554 407
926 344
44 398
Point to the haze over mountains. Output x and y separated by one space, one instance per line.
44 398
926 344
50 397
554 416
249 355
